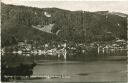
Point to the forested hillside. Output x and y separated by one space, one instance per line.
79 26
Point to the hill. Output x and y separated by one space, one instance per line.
79 26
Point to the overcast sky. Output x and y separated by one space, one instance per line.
116 6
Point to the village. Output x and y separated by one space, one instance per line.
65 48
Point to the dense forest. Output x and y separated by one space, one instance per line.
78 26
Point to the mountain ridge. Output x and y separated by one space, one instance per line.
78 26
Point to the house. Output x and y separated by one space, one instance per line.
63 45
21 43
46 45
120 41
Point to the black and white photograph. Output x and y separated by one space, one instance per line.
68 41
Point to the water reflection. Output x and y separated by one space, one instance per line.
110 66
83 71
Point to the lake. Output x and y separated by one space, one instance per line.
80 71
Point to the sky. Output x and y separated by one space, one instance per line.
74 5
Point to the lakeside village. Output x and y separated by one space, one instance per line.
60 50
54 48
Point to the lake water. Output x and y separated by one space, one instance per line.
77 71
